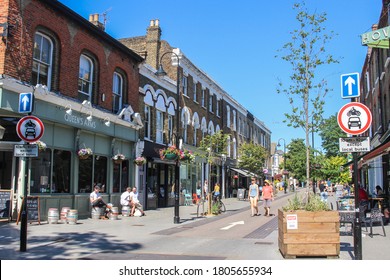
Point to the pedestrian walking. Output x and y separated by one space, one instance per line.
268 196
253 197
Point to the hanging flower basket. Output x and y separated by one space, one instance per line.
187 155
118 158
140 161
84 153
41 145
170 153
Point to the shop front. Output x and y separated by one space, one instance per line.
60 176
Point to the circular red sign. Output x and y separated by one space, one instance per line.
30 129
354 118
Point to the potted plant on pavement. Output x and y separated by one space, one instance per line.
307 227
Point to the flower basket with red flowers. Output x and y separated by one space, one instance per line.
171 153
187 155
140 161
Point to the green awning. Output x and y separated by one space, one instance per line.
377 39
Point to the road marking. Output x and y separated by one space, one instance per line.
232 225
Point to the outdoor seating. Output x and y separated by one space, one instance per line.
376 216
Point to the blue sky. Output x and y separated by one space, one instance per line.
235 42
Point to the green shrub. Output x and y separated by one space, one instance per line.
311 203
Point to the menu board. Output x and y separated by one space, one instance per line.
33 209
5 205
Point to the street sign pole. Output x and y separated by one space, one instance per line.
357 236
23 224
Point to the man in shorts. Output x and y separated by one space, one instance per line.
135 204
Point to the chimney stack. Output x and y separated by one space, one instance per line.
153 41
94 19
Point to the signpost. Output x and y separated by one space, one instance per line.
30 129
26 101
354 144
350 87
26 150
354 118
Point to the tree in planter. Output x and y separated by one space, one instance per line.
212 147
252 157
306 53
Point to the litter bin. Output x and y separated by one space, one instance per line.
241 194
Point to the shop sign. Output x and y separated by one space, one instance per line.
378 38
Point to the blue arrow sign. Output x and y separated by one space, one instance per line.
25 102
350 87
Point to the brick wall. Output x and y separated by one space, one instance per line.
71 39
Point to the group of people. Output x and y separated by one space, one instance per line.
266 194
128 198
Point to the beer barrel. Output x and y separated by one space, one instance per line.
53 216
114 213
64 214
125 211
96 212
72 216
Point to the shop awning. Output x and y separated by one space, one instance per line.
377 39
244 172
240 171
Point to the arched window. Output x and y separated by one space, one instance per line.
234 148
117 92
85 78
228 116
42 60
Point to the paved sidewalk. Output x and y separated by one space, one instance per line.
129 236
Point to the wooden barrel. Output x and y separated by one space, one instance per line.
64 214
96 212
114 213
72 216
53 216
125 211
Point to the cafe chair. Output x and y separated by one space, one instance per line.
376 217
362 215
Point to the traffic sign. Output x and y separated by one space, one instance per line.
354 144
354 118
30 129
350 87
26 102
26 150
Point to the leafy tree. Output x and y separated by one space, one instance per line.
306 53
252 157
331 168
213 146
330 132
295 159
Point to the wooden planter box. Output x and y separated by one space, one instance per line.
318 234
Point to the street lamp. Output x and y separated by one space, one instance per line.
160 72
223 159
284 160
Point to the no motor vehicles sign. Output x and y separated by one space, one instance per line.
354 118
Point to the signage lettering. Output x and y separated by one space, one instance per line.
79 121
377 35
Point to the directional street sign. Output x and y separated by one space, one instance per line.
25 102
350 85
30 129
354 118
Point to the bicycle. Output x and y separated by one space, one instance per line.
218 205
200 208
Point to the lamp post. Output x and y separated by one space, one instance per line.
223 159
160 72
284 160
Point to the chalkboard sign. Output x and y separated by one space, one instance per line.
5 205
33 210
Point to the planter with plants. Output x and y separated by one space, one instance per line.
308 229
170 153
140 161
187 155
84 153
118 158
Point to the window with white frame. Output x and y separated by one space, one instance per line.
228 116
117 92
195 92
203 98
234 120
185 84
211 103
42 60
234 148
217 108
159 126
85 78
185 126
171 114
147 121
228 150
